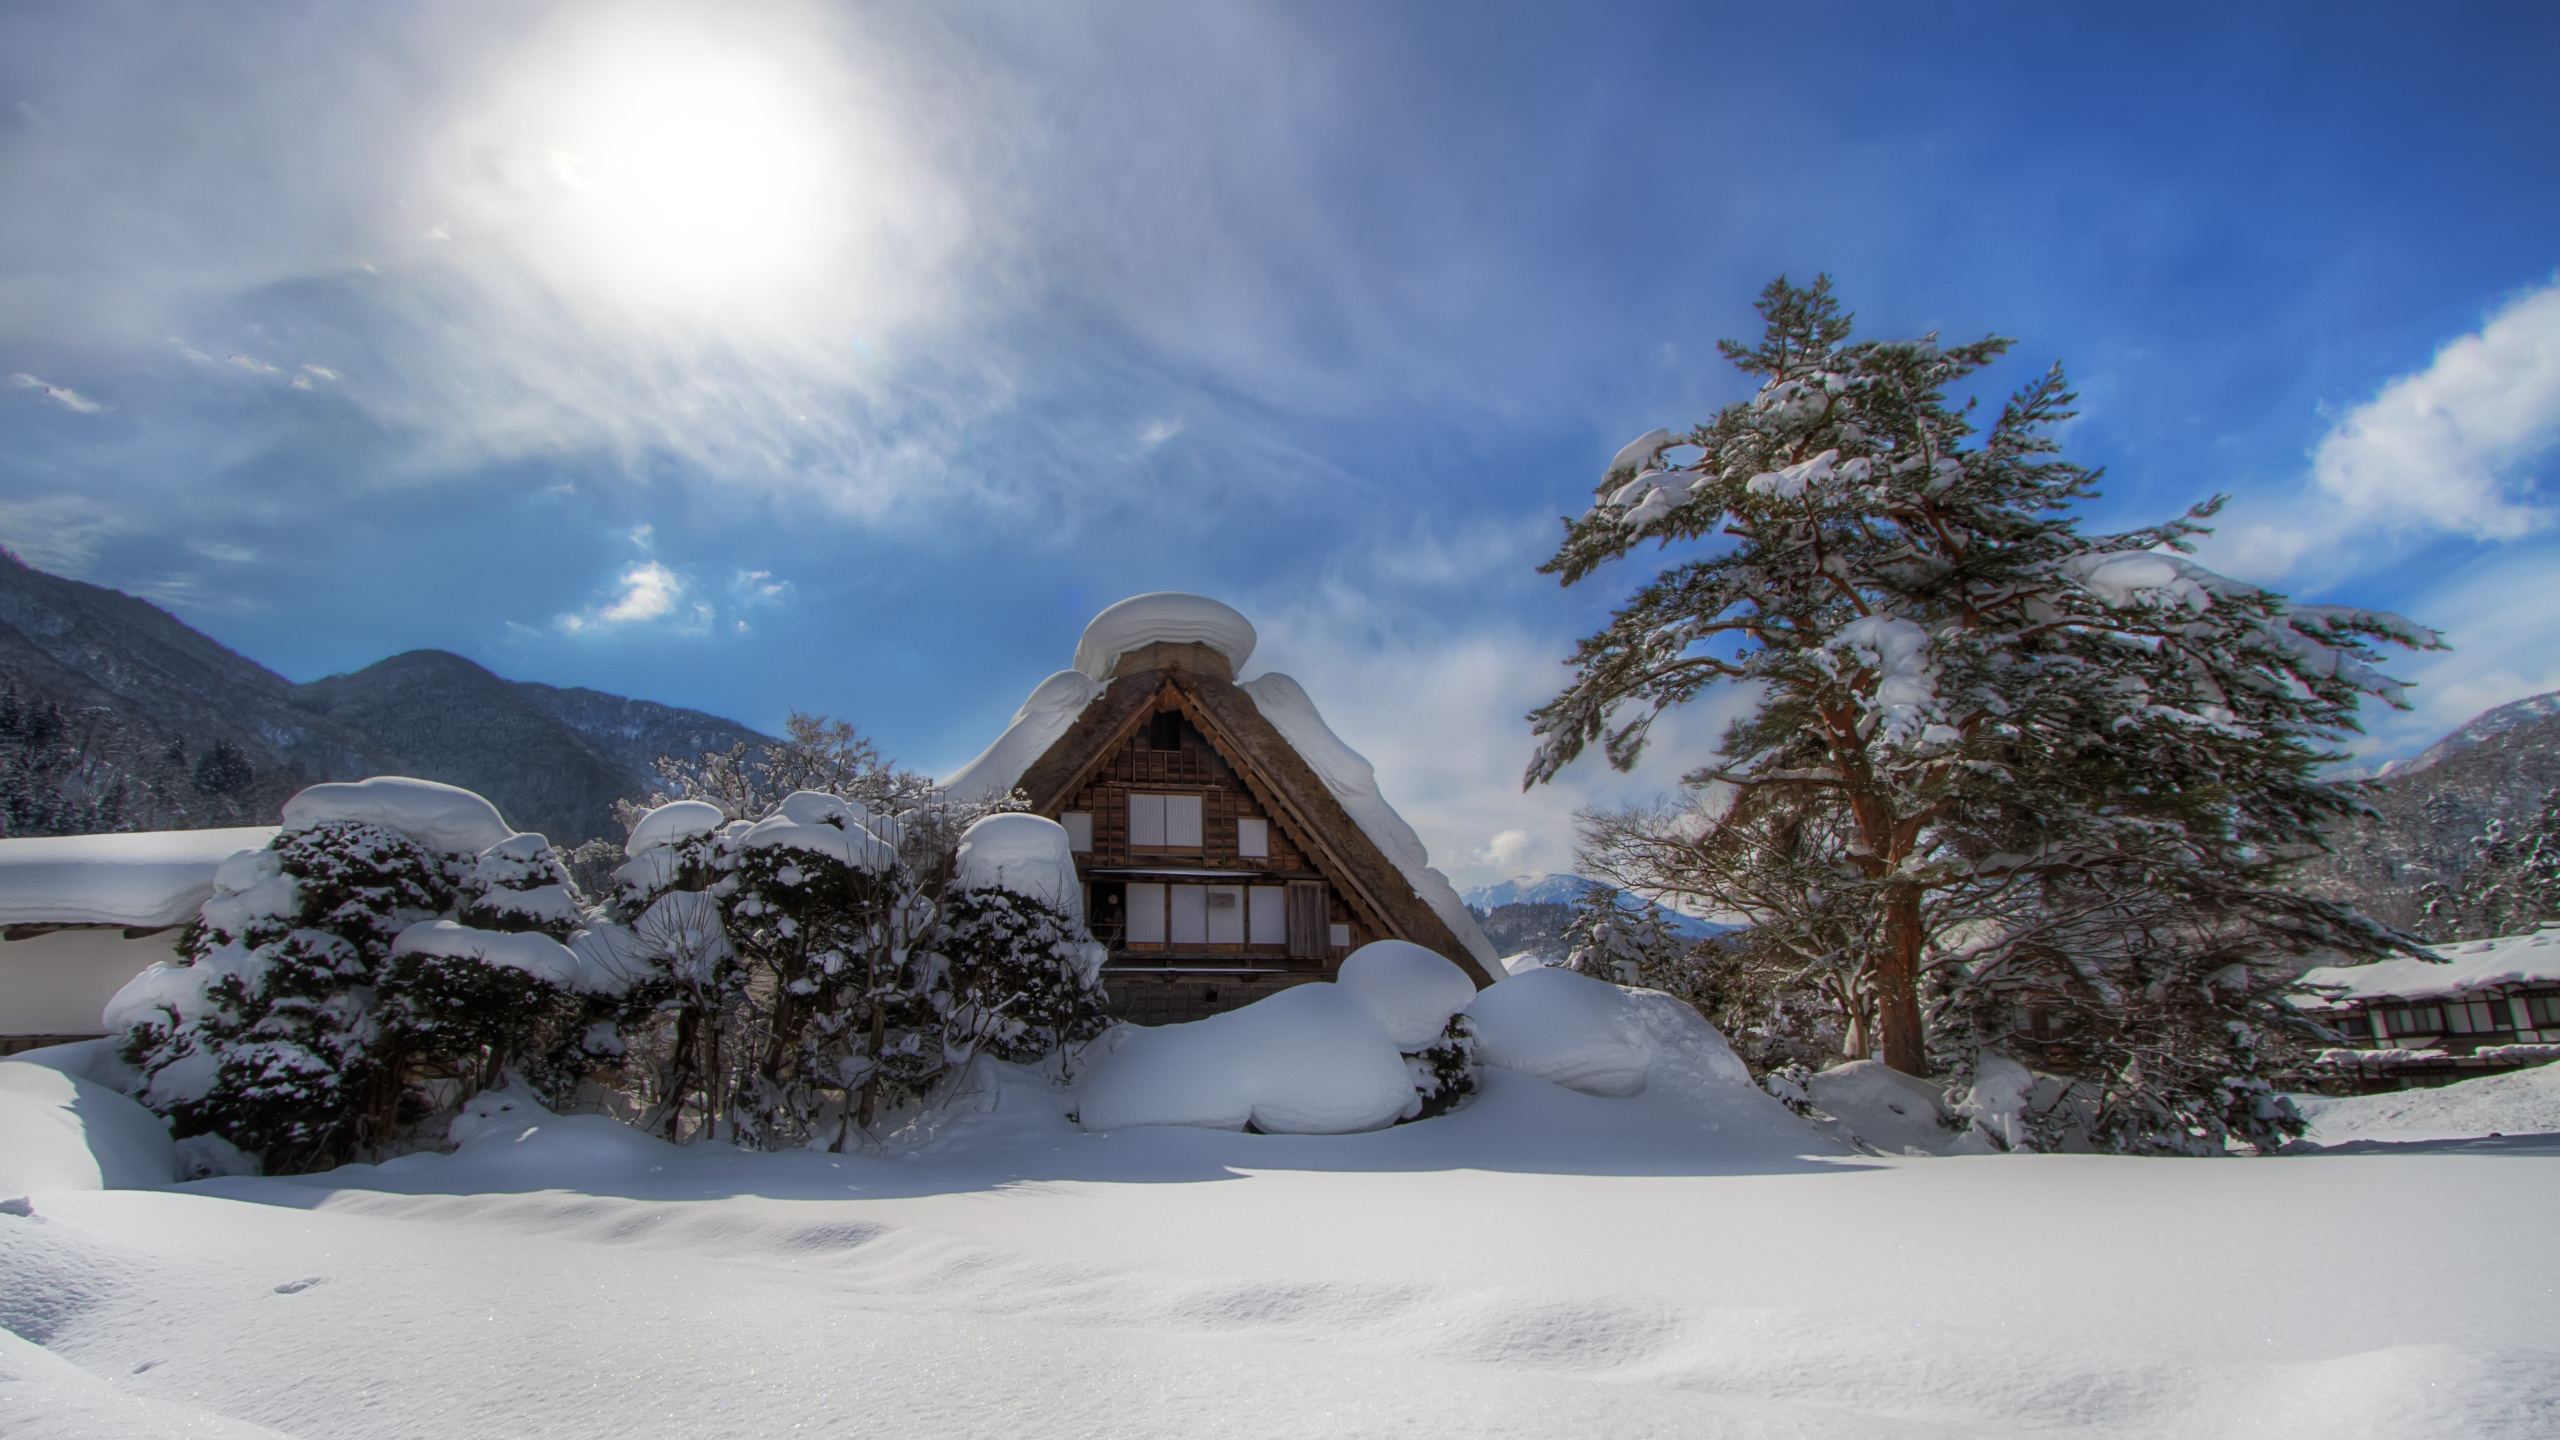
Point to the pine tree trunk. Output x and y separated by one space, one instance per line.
1906 1048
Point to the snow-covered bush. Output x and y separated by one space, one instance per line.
797 968
327 991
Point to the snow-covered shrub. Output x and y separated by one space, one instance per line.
328 997
267 1033
1444 1071
1018 977
1419 997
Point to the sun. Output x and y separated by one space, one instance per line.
697 175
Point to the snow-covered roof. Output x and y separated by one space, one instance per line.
2472 965
1053 707
151 877
1166 615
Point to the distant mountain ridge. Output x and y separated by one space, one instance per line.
1536 888
2430 815
551 759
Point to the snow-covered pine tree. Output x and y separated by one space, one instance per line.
2512 885
1969 694
1622 943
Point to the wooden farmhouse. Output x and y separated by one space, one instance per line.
2492 1005
1230 845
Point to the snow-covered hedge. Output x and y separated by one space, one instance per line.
767 978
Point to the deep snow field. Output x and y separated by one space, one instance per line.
1541 1262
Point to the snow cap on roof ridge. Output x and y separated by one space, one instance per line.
1164 615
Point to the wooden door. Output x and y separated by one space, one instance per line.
1310 921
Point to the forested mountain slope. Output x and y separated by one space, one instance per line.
114 714
2437 819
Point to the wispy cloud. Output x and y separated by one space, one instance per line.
62 395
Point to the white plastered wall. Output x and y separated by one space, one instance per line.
57 982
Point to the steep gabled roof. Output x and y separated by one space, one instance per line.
1278 777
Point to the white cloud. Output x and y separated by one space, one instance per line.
1442 718
649 591
62 395
2454 449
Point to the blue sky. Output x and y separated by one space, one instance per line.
850 357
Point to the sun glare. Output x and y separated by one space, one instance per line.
697 177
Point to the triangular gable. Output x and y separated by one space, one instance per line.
1276 775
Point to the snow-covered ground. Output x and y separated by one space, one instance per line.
1542 1262
2518 1102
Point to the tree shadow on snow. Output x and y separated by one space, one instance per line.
1518 1125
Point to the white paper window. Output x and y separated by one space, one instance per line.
1190 914
1341 937
1182 822
1226 914
1164 822
1146 914
1253 838
1079 825
1270 923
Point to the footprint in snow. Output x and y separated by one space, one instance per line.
296 1287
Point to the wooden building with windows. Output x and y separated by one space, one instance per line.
2494 1005
1221 861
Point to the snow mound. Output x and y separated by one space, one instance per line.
1166 615
1567 1029
1026 854
673 823
444 818
1311 1060
1354 782
59 1131
1054 705
854 846
2519 1102
1884 1110
153 878
1412 991
530 951
2473 965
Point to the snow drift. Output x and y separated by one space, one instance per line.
61 1131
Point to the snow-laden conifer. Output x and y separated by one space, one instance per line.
1984 740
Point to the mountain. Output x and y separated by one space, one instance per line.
155 698
2432 814
1539 888
1545 900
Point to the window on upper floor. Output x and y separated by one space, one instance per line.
1079 826
1253 839
1164 822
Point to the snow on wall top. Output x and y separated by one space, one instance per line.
1354 782
1026 854
438 816
2474 965
154 877
1166 615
